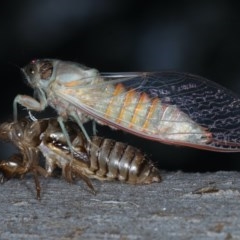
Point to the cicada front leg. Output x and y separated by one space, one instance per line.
12 167
32 104
29 103
15 166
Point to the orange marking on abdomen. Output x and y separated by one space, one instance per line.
150 112
140 107
127 101
118 90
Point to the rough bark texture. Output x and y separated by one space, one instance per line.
172 209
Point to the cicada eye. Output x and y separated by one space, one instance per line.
31 69
45 70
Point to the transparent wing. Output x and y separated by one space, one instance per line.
206 103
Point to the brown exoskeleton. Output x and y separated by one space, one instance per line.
102 158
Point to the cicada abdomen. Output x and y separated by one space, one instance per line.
110 159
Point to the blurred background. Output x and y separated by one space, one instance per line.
200 37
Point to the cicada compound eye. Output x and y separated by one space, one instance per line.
45 69
31 69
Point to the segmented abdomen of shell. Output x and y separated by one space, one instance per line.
110 160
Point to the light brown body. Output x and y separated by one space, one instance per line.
116 100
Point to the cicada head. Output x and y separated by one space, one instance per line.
13 131
24 133
41 73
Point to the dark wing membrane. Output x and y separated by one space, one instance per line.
205 102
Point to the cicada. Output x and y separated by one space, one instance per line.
102 158
168 107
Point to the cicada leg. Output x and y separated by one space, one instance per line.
68 175
29 103
94 128
16 167
78 121
65 132
31 116
87 181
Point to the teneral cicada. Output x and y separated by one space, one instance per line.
102 159
169 107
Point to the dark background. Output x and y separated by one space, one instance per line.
198 37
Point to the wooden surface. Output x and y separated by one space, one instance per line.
173 209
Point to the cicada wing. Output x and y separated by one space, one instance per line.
143 103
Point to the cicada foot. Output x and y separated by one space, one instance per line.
88 182
67 173
38 170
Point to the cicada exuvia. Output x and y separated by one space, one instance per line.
102 158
